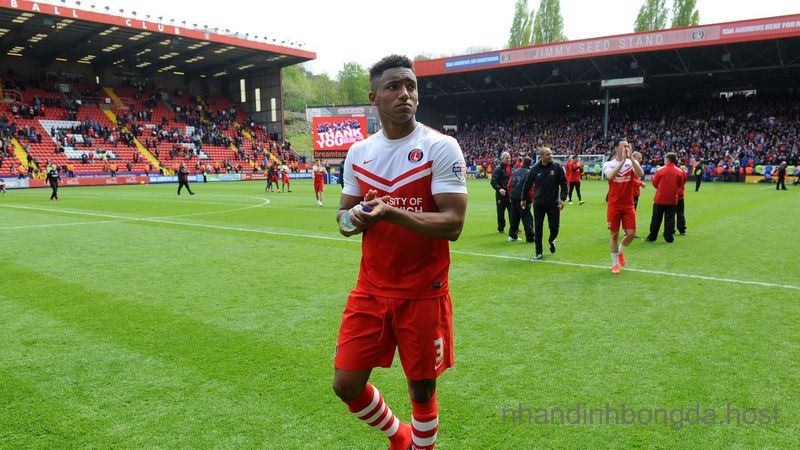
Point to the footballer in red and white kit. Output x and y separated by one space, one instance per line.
620 173
319 182
405 191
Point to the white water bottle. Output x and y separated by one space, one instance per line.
346 223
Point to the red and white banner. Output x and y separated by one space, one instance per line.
336 134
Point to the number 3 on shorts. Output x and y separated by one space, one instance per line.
438 345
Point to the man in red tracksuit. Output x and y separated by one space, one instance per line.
668 181
574 172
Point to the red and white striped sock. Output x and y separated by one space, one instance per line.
424 424
370 408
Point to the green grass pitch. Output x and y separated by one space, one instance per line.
134 318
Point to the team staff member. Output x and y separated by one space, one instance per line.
183 179
53 177
517 211
549 184
619 172
413 179
781 177
574 172
501 179
699 170
667 181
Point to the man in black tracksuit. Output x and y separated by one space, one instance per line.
501 177
546 177
518 213
698 172
183 179
781 177
52 178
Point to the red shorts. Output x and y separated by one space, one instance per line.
626 216
319 186
285 179
421 329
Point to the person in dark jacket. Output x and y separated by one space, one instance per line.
517 212
549 182
781 177
698 172
501 178
183 179
52 178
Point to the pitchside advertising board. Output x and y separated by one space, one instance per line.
333 136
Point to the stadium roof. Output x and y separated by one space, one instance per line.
51 33
749 54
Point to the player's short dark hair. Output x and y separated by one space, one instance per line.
526 161
619 141
388 62
671 157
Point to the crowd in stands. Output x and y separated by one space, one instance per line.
743 131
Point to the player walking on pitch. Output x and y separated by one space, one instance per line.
619 172
413 179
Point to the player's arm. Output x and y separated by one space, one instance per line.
619 156
447 223
345 203
637 168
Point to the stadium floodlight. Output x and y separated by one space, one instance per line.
107 9
134 14
121 11
92 6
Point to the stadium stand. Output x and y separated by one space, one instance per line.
132 128
753 131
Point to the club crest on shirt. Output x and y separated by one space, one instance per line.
552 172
460 170
415 155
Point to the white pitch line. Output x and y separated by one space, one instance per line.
482 255
651 272
120 219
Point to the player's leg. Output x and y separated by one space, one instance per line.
578 191
366 340
569 195
424 413
425 342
